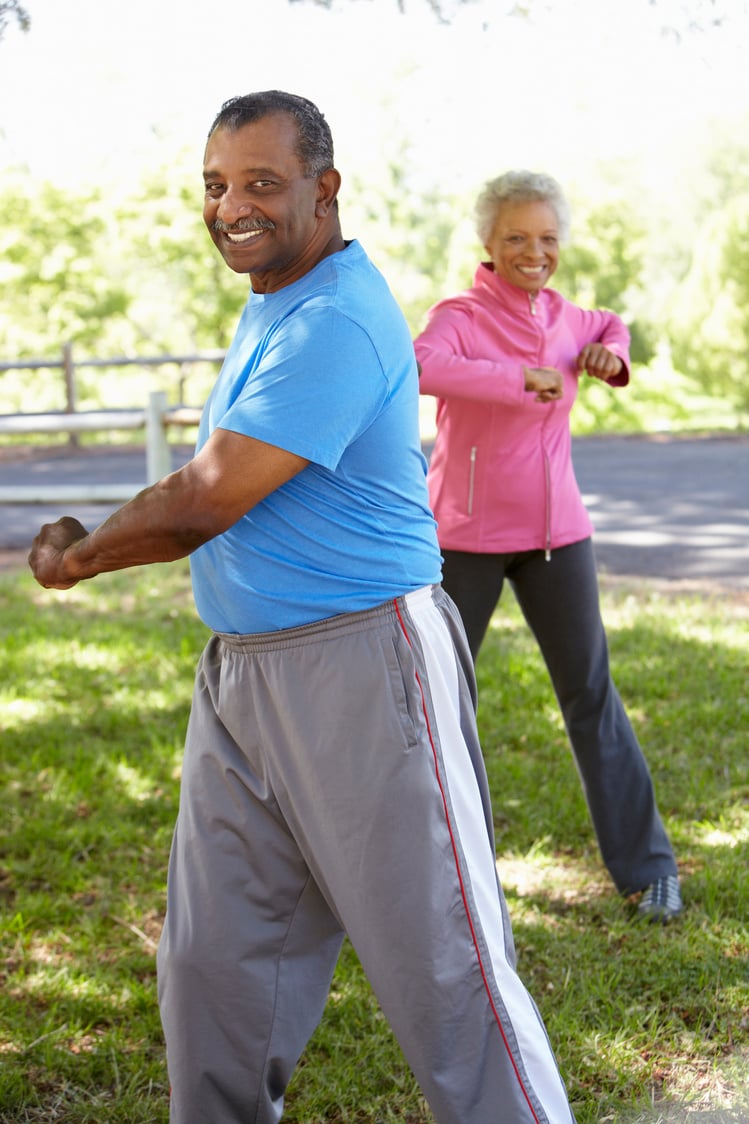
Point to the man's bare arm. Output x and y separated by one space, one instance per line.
170 519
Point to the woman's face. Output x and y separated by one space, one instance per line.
524 244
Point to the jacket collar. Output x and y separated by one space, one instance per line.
510 295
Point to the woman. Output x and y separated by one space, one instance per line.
504 360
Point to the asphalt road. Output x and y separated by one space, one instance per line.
670 508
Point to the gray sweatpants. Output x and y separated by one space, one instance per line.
333 782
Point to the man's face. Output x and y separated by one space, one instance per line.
264 215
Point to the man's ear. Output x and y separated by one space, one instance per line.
328 186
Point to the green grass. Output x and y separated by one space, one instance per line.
95 688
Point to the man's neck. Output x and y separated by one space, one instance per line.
273 280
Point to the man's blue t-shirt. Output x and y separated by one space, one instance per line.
323 368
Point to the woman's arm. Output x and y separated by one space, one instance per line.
606 355
443 351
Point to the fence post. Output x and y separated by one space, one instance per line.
71 402
158 453
184 370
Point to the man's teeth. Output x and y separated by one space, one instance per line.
244 236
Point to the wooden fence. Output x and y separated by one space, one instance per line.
156 418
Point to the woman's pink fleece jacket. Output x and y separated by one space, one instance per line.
501 478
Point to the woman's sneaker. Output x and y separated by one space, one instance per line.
662 900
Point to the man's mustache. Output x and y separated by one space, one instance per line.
241 226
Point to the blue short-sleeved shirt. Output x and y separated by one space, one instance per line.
323 368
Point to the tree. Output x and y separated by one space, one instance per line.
410 230
184 297
54 282
136 277
603 267
10 8
709 328
681 19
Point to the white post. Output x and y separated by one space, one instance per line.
71 395
158 453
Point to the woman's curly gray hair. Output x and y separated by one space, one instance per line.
519 187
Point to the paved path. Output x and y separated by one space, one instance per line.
676 509
671 508
64 465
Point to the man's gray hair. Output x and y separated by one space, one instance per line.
519 187
314 140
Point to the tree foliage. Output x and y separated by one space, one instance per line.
678 19
55 273
413 232
141 275
137 277
603 268
185 298
13 8
709 327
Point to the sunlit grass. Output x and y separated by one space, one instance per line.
95 688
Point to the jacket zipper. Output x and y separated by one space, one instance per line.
547 468
547 473
471 479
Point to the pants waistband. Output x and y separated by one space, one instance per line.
328 628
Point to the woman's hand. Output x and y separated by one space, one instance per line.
600 363
546 381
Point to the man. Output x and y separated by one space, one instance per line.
333 781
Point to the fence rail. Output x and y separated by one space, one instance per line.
157 417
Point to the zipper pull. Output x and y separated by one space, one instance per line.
471 478
532 299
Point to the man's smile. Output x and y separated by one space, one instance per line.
244 236
241 232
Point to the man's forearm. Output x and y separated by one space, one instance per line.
160 524
227 478
157 525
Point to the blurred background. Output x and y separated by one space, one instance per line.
640 108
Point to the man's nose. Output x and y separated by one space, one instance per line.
232 207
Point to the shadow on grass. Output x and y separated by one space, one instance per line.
684 685
94 696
